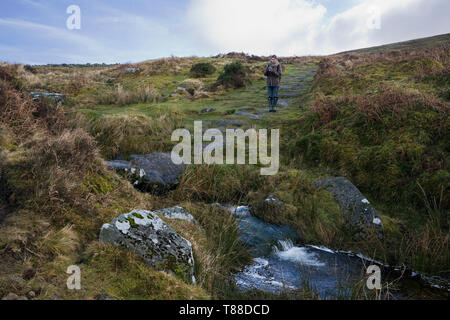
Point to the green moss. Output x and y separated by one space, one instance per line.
286 195
180 270
5 143
138 215
391 228
100 184
133 224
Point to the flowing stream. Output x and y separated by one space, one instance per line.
280 265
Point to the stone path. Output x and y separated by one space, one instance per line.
254 110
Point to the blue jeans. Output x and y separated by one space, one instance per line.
273 91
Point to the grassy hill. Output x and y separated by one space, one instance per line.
380 118
429 42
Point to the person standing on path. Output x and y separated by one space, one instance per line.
273 74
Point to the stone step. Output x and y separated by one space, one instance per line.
289 95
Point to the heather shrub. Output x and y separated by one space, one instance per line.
202 69
234 75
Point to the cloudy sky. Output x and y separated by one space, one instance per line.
36 32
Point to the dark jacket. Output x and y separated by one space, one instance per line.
273 74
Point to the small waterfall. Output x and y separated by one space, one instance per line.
279 265
301 255
283 245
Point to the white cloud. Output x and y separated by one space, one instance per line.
257 26
296 27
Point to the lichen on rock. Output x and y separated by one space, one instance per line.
157 243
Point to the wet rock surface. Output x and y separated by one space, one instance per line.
331 273
153 173
275 250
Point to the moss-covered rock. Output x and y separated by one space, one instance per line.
354 206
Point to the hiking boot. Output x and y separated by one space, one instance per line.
270 104
275 102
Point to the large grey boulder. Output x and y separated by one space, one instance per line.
56 97
159 245
354 205
131 70
153 173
